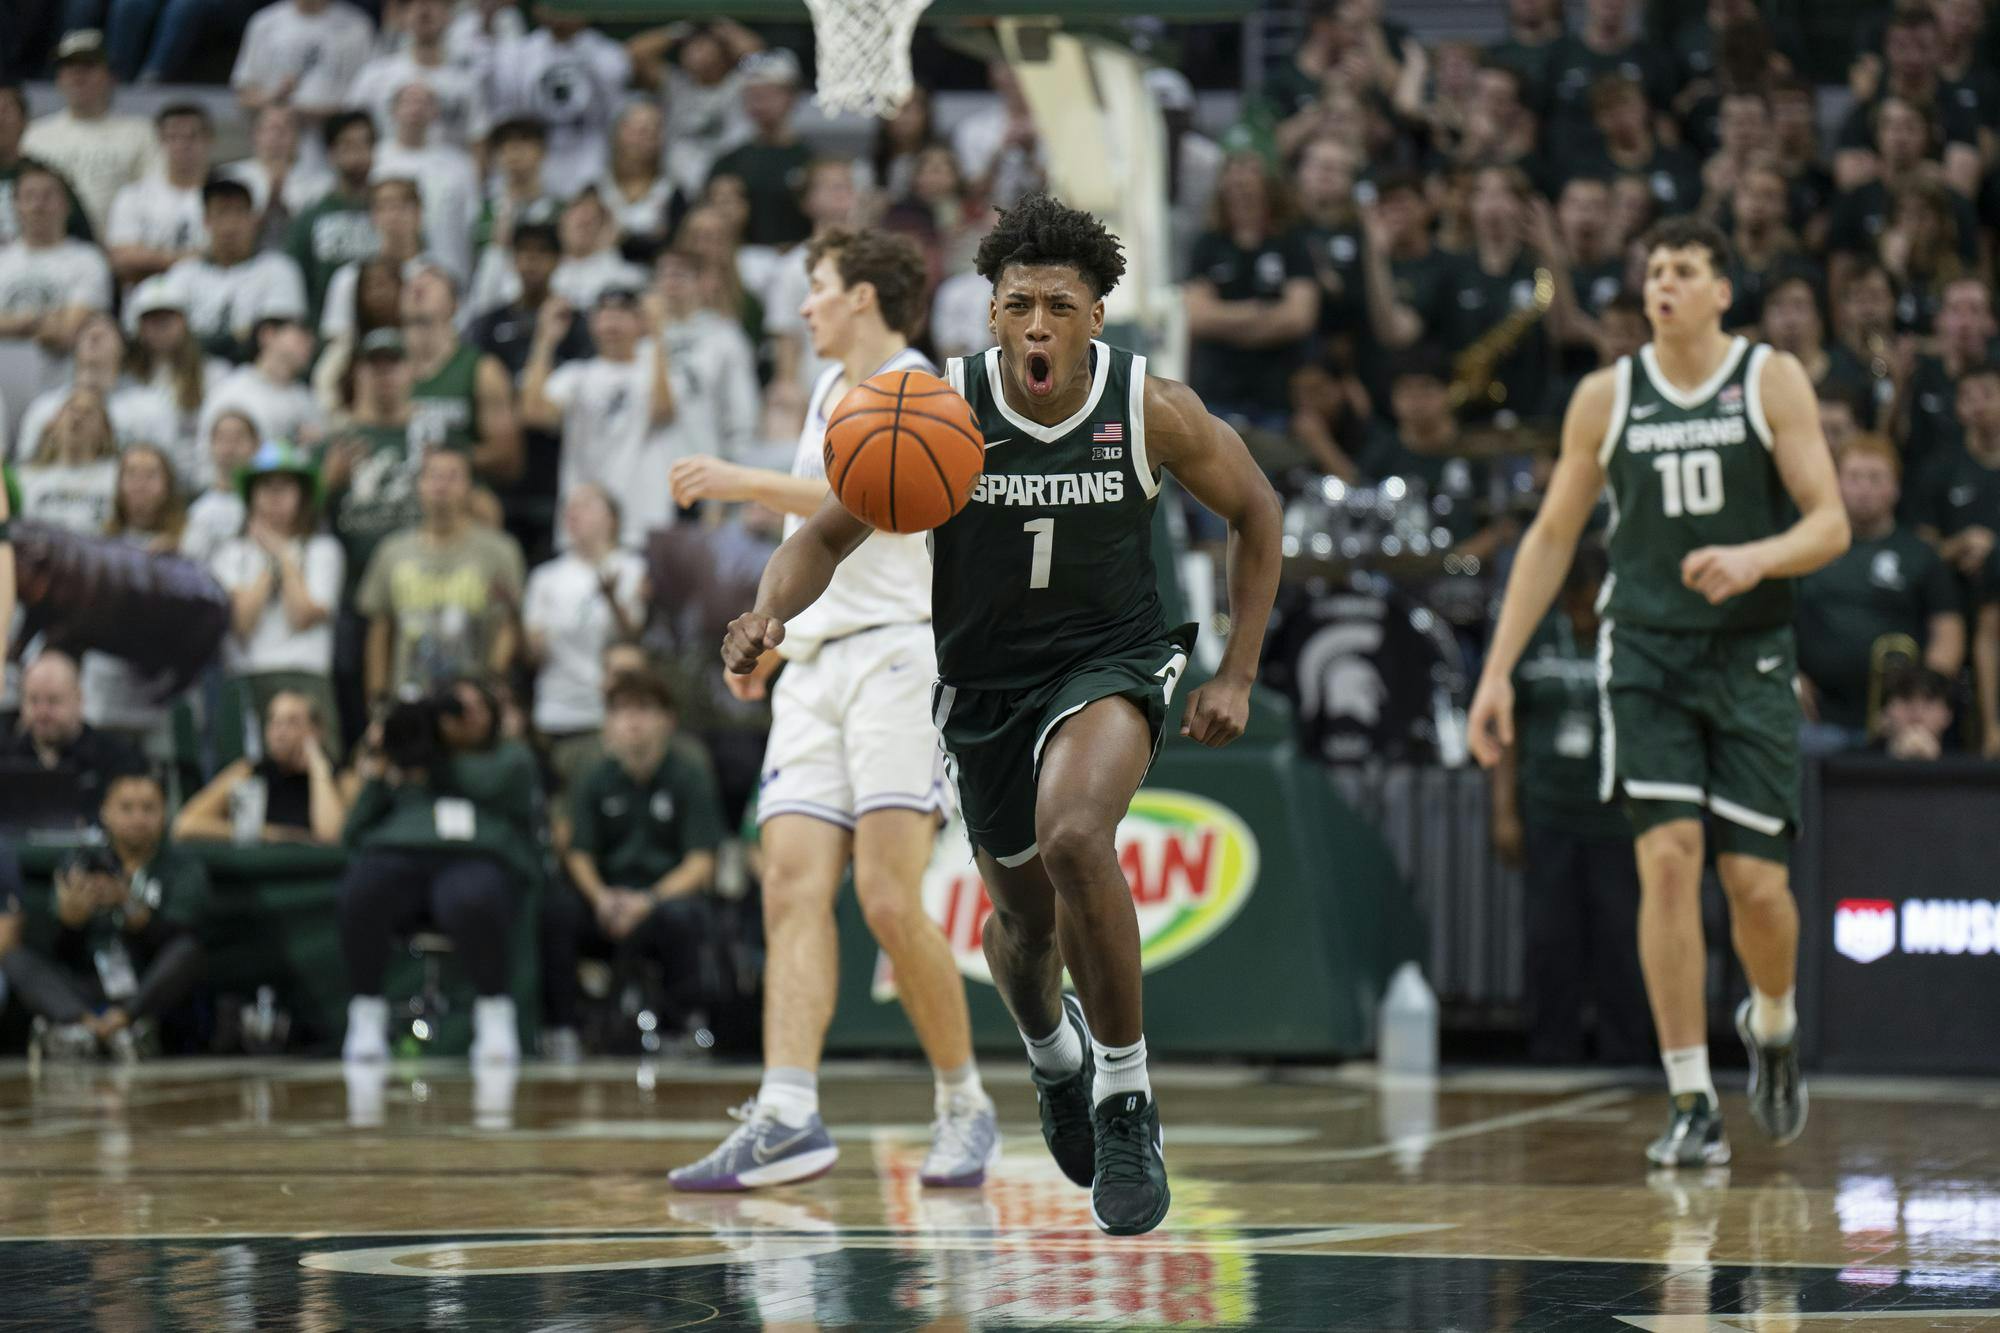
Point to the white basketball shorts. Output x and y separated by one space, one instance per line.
851 730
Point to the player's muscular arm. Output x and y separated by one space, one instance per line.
798 572
1208 458
1542 562
1806 466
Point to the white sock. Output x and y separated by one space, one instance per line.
1687 1071
960 1084
1773 1018
791 1094
1061 1052
495 1036
1120 1069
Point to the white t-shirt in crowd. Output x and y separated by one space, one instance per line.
323 51
608 438
644 216
449 186
273 645
887 581
231 299
460 93
140 414
577 281
281 411
99 157
574 88
213 518
703 123
712 357
39 281
157 214
74 496
978 138
469 45
565 603
305 184
959 315
785 290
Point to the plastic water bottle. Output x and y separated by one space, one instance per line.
1407 1026
246 811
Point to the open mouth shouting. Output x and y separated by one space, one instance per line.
1040 368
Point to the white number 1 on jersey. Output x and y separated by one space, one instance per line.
1045 548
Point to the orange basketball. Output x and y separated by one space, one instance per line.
903 451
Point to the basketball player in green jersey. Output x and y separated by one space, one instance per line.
1056 667
1706 443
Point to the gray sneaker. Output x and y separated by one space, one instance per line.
965 1143
759 1152
1777 1089
64 1041
1694 1135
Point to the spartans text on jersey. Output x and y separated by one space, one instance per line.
1049 488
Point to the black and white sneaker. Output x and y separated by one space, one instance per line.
1130 1195
1694 1136
1777 1089
1064 1100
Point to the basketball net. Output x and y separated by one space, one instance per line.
861 49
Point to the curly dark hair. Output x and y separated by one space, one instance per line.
1690 232
1042 230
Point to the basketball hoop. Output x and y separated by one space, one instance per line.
862 51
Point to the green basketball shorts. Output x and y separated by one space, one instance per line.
993 739
1703 721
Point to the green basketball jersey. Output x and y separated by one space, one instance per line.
1050 564
1688 470
444 409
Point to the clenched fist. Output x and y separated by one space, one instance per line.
749 636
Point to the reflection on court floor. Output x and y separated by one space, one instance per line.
242 1195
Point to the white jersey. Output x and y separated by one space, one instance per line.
887 581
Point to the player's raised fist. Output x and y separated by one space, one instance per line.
747 639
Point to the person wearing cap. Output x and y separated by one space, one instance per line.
461 397
612 409
49 283
570 77
157 221
462 118
303 54
97 152
270 390
284 580
772 165
396 212
232 285
337 229
444 173
13 125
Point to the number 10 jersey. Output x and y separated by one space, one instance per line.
1050 564
1688 470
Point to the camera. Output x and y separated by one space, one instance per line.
413 733
93 860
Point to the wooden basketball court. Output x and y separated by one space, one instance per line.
249 1194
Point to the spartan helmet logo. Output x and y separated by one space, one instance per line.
1337 675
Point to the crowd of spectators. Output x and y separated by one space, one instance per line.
409 377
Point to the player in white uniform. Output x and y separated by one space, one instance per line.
853 771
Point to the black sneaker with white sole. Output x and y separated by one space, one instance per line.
1130 1195
1064 1100
1694 1135
1777 1089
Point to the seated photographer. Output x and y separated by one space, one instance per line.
646 824
443 834
52 748
287 796
127 947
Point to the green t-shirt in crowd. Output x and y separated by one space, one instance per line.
1457 487
1886 585
444 409
174 880
447 601
486 807
380 497
333 232
1558 731
638 832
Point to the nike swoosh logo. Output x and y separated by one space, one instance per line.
762 1152
1002 440
1766 665
1638 413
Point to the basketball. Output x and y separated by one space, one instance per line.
903 450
